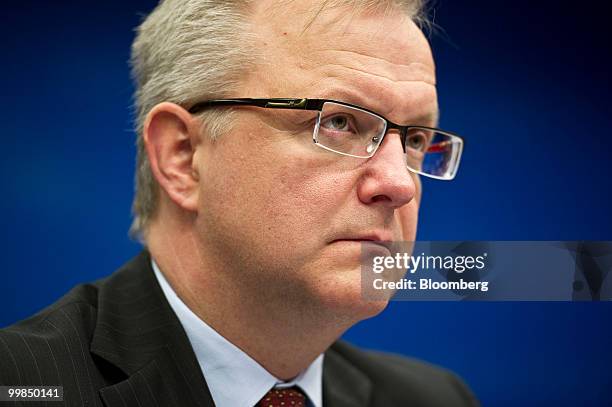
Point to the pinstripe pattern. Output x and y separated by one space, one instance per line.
116 342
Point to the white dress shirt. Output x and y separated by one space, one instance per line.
233 377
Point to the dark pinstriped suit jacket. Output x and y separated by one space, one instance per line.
117 342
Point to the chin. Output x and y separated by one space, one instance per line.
344 298
371 308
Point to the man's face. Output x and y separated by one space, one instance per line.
286 216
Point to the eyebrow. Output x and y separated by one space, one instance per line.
431 118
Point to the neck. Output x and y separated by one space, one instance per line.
282 335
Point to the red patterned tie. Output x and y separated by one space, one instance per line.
289 397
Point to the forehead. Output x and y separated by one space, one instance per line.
378 60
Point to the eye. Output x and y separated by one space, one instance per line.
337 123
416 141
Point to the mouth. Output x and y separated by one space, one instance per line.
378 240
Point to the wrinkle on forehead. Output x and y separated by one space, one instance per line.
384 59
411 71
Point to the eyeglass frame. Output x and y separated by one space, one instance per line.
317 105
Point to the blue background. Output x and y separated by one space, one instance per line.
527 83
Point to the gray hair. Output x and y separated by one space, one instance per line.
190 50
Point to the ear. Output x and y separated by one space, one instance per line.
171 136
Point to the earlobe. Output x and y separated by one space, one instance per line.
171 139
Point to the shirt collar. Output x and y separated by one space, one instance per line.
227 368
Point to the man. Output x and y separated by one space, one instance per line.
253 210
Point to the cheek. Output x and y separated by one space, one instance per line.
306 197
273 200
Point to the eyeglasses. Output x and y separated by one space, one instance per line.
354 131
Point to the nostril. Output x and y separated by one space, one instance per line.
379 198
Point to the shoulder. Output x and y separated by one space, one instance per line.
41 349
406 380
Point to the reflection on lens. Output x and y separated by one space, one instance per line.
438 157
356 133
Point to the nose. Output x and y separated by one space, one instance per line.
386 179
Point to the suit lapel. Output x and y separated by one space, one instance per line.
138 333
162 382
343 384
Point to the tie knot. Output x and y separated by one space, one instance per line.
289 397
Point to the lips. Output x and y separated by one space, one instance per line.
371 236
381 239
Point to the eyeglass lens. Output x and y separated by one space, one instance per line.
355 132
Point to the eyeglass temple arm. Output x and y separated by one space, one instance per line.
275 103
